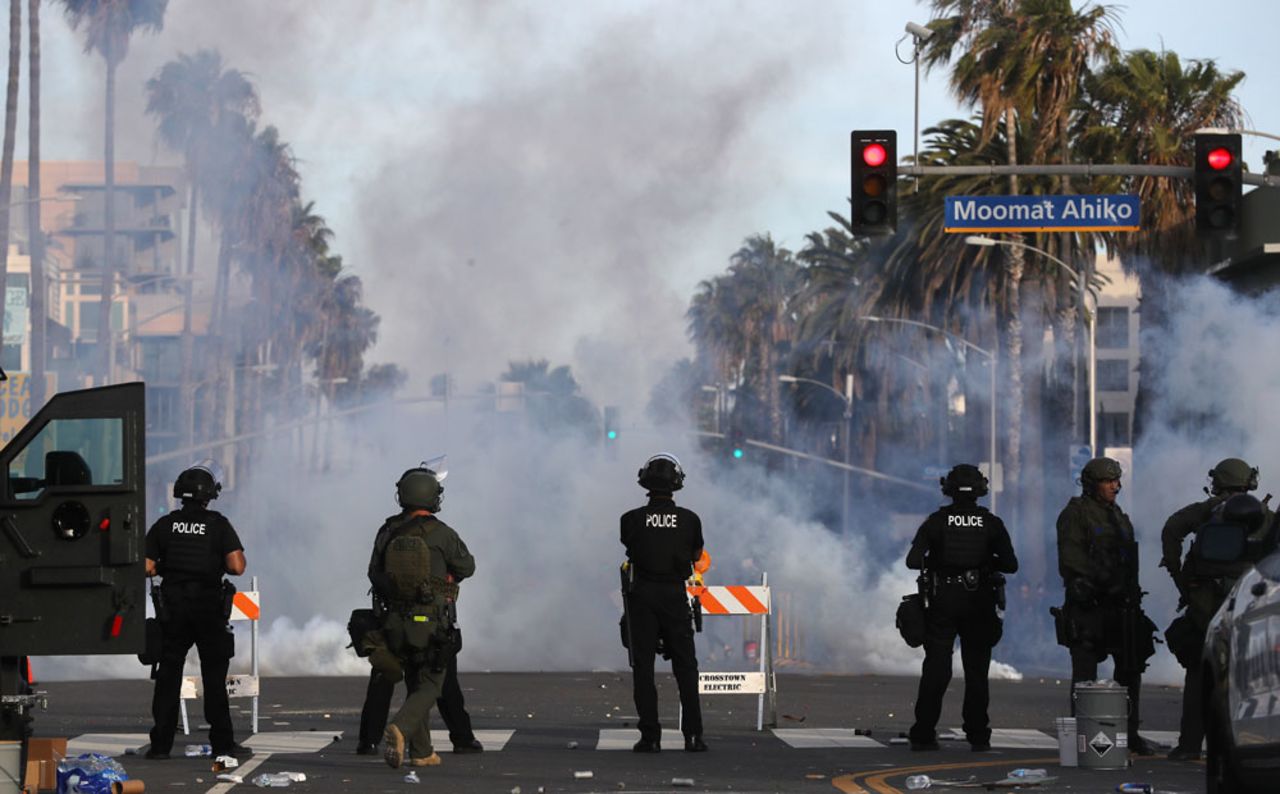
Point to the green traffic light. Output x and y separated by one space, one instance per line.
612 434
737 452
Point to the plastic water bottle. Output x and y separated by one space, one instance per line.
198 750
1028 774
1134 788
272 780
917 782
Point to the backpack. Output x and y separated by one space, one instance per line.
407 563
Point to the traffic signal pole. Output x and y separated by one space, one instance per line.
1082 169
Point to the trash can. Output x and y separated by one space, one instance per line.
1102 724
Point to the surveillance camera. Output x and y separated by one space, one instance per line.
919 31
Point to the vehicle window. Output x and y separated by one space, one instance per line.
72 452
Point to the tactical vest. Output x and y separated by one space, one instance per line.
192 557
416 572
964 539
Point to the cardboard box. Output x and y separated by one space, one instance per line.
31 779
44 749
48 752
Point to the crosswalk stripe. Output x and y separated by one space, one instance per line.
112 744
1011 738
492 740
813 738
623 738
291 741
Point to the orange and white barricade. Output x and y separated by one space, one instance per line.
244 606
748 601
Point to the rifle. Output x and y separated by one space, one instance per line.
1137 631
628 579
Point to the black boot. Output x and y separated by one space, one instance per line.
694 744
646 746
465 748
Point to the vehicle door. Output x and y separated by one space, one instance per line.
72 572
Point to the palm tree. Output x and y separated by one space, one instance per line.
743 324
34 229
989 73
1144 107
10 121
1022 61
108 26
194 96
769 277
553 399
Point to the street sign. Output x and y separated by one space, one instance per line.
969 214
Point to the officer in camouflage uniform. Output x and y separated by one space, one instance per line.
1203 585
963 549
1102 616
416 563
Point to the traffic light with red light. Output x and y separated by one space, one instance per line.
875 181
1219 177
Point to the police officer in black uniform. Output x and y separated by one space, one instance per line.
662 541
963 548
190 549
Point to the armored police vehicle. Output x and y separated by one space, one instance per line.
72 570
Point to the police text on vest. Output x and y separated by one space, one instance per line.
664 520
182 527
964 521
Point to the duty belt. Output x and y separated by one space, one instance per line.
970 579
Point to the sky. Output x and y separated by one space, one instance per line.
526 179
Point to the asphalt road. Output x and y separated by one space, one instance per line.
556 721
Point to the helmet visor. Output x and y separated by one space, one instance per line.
439 466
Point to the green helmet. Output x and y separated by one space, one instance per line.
1100 470
421 488
1233 474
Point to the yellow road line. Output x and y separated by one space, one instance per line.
875 778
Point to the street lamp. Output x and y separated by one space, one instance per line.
847 398
991 365
919 34
1090 319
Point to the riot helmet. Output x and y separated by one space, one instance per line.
964 481
662 473
1232 475
421 487
1245 510
1099 470
199 483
